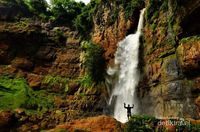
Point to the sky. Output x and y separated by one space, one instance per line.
85 1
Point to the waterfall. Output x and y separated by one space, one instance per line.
125 74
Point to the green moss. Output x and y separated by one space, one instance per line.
15 93
190 39
50 81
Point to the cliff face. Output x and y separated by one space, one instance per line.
41 71
112 24
170 58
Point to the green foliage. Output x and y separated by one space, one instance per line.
56 81
84 22
11 2
85 81
39 100
190 39
38 8
15 93
140 123
113 15
130 6
94 61
154 6
65 11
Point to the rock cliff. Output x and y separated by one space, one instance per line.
170 59
41 71
112 23
44 82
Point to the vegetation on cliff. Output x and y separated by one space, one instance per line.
15 93
93 61
48 76
146 123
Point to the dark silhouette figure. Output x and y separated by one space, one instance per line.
128 110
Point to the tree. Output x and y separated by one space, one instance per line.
37 6
84 21
65 11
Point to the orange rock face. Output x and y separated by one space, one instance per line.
189 55
92 124
108 35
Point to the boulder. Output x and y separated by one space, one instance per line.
92 124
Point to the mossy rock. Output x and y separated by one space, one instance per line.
15 93
190 39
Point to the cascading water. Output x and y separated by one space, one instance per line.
126 73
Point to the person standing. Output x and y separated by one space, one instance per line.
128 110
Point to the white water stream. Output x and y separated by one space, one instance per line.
126 74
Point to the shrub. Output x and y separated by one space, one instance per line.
65 11
131 5
141 123
94 61
39 9
84 22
